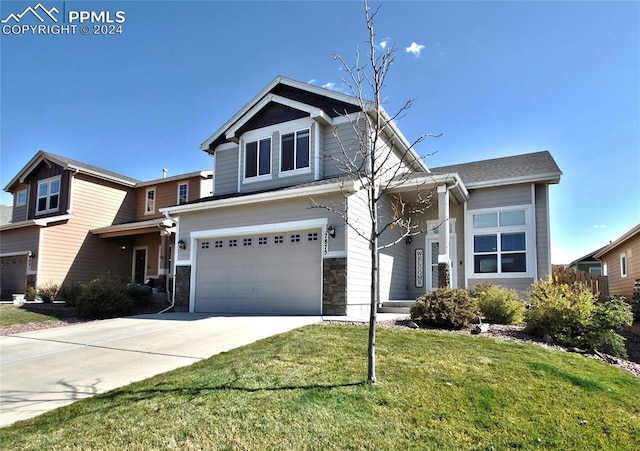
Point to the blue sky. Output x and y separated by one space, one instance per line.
496 78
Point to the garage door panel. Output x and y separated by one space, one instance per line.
13 276
266 273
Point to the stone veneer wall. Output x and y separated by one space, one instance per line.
334 293
183 287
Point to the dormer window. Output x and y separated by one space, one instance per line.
257 158
48 195
295 151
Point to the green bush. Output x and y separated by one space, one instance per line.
142 294
448 307
70 292
497 304
104 297
48 291
572 316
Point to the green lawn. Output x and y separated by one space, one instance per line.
10 315
304 390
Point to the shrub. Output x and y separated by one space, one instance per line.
70 293
572 315
142 294
448 307
497 304
48 291
104 297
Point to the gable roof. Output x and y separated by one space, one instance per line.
627 236
526 168
322 105
69 164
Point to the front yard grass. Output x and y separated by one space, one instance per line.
32 313
304 390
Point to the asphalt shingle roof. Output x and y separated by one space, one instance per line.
496 169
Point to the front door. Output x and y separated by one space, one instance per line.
433 247
139 265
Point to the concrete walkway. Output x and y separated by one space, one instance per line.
46 369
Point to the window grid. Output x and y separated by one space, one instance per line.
295 238
262 241
246 242
312 236
218 244
233 243
48 195
500 242
204 245
278 239
182 193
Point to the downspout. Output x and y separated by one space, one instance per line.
173 292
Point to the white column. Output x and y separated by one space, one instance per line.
443 232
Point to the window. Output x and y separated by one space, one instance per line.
183 193
150 201
246 242
623 265
48 195
233 243
257 158
217 244
262 241
204 245
21 198
278 239
295 151
312 236
499 242
295 238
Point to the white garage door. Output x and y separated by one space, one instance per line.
13 274
278 273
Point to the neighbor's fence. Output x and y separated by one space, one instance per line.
599 284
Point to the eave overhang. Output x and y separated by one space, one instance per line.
627 236
135 228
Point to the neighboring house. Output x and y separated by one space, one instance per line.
258 246
588 263
621 263
71 221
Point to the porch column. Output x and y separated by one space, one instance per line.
444 262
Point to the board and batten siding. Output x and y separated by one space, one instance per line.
70 253
256 214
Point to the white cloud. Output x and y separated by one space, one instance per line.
385 42
414 48
329 85
599 226
312 81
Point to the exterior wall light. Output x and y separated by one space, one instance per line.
182 245
408 240
331 231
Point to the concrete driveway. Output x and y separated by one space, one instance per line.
43 370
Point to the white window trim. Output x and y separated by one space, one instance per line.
24 202
243 168
146 201
295 171
530 242
48 181
186 193
624 269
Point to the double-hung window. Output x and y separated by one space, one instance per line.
48 195
257 158
623 264
500 242
150 201
295 151
183 193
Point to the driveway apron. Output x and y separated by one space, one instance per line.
46 369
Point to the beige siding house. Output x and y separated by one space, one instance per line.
262 243
72 221
621 263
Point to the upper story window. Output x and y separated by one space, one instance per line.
257 158
500 242
150 201
183 193
295 151
48 195
21 198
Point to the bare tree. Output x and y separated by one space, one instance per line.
379 164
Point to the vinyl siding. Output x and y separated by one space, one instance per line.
519 284
70 253
226 171
542 231
623 285
358 259
394 260
297 209
333 150
502 196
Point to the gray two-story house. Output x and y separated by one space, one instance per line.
258 245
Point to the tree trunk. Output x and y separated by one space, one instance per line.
375 253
